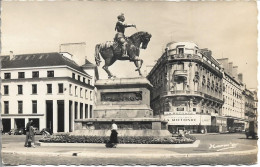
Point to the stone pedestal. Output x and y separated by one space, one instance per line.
127 101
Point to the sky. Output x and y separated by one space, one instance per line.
229 29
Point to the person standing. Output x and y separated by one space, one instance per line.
113 136
31 136
27 129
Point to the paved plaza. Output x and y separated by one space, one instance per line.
212 149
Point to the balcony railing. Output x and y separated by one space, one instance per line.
180 75
184 56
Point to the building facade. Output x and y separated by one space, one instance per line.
49 88
187 88
250 105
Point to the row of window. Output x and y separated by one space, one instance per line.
35 74
49 90
34 108
79 78
20 107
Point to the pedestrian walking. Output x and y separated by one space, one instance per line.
113 137
31 138
27 129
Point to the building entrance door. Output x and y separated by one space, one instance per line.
60 116
19 123
35 123
49 115
6 125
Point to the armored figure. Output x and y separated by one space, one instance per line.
120 36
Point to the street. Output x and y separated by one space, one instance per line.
213 149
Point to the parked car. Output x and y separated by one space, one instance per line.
19 131
252 130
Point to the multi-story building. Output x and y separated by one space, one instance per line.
250 98
233 87
49 88
187 88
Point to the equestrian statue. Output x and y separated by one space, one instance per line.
122 48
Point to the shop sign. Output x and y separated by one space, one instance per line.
221 121
188 119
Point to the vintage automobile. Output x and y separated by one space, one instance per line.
19 131
251 130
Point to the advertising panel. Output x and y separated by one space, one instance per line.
188 119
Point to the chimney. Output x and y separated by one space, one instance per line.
77 50
11 55
240 77
234 72
230 68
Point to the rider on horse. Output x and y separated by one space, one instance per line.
120 36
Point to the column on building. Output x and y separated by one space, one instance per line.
55 116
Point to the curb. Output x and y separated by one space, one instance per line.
193 145
118 155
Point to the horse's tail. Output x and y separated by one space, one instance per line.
97 54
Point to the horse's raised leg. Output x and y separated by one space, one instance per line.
138 64
108 72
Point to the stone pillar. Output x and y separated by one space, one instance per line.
12 123
66 115
55 117
72 115
83 110
42 122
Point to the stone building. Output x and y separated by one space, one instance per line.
49 88
250 99
234 97
187 88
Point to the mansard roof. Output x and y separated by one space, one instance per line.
40 60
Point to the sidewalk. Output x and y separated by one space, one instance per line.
123 150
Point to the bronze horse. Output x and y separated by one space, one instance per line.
111 51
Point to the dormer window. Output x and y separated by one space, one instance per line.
20 74
50 73
180 50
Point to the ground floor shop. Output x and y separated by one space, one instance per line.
56 115
196 123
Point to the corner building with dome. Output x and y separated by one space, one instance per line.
187 89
